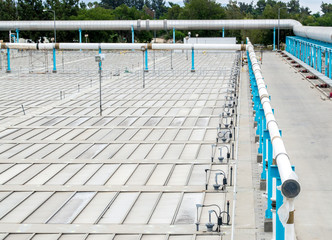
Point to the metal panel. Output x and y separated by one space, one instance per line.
165 209
20 212
160 174
179 175
72 208
103 174
95 208
12 201
142 209
45 211
187 211
119 208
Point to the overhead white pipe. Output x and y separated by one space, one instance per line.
317 33
122 46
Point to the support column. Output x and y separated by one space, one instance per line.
173 35
146 61
192 60
54 60
17 35
330 64
8 61
99 62
326 62
80 36
319 59
132 34
223 32
274 39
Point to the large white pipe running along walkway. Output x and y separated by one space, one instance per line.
317 33
290 187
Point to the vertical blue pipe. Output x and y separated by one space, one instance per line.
268 213
330 65
274 39
192 60
146 60
173 35
17 35
223 32
80 35
319 60
132 34
100 62
326 58
8 60
54 60
280 231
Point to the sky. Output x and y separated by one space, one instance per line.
313 5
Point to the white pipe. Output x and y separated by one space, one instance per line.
121 46
317 33
290 186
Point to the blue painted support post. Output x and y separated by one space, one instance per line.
8 61
274 39
261 129
54 60
80 36
280 230
192 60
315 58
268 213
173 35
146 61
223 32
326 62
330 64
132 34
17 35
100 62
266 135
319 60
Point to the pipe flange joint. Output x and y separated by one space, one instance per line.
272 120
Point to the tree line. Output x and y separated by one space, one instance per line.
157 9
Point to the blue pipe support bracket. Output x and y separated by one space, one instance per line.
173 35
99 51
266 137
8 61
146 69
223 32
54 60
192 60
132 34
17 35
80 35
330 64
326 62
269 158
274 40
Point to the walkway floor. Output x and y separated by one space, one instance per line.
306 122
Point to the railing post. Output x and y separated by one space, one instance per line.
8 61
17 35
173 35
54 60
132 34
274 40
192 60
330 64
223 32
146 61
326 60
80 36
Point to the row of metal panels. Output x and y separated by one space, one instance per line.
106 207
94 134
122 121
103 151
107 174
49 236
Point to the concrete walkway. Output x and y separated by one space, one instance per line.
306 123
